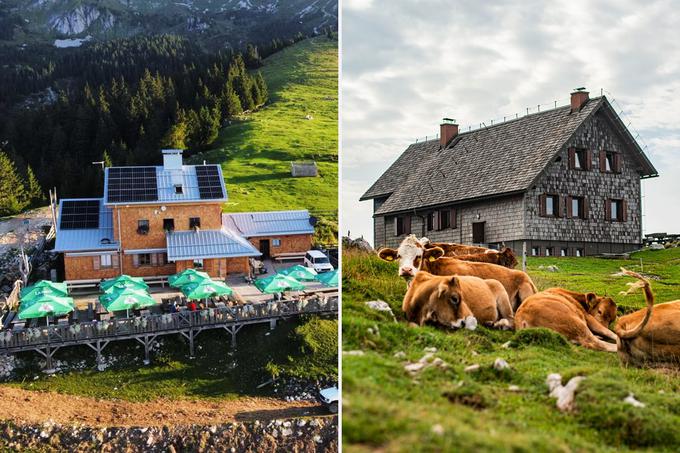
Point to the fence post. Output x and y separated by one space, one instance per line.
524 256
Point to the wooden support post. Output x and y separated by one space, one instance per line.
147 360
48 353
192 353
524 256
272 324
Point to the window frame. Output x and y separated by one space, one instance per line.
548 252
143 226
543 205
105 261
144 259
621 207
276 242
402 225
535 251
194 222
170 221
199 261
445 219
584 157
564 251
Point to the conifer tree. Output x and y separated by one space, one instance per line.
12 189
34 192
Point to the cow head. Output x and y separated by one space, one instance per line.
410 255
444 306
602 308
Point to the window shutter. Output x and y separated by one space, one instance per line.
586 209
114 260
624 210
589 159
607 209
135 260
407 224
557 209
569 210
572 158
603 161
396 233
617 163
96 262
436 221
541 205
454 218
154 259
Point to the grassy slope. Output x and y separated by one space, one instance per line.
256 150
385 407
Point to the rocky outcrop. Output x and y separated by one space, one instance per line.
81 19
304 434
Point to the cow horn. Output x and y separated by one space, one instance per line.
649 297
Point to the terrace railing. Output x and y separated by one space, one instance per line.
81 333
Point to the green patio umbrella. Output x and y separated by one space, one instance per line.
278 284
300 273
205 288
125 280
123 285
44 287
329 278
187 276
48 305
126 299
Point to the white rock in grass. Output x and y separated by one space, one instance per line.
358 353
400 355
563 393
438 429
506 345
427 358
514 388
381 305
431 349
500 364
472 368
414 367
630 399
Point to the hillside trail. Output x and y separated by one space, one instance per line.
27 406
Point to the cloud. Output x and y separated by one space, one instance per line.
408 64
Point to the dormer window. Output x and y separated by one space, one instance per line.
178 189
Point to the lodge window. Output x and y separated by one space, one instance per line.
447 218
578 252
535 251
615 210
276 242
548 251
169 224
144 259
198 264
143 226
563 252
577 208
430 221
580 159
549 205
610 162
402 225
105 260
194 222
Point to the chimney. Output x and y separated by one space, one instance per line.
172 163
578 99
448 130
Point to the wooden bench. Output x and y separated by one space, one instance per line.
291 256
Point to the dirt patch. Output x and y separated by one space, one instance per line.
24 406
475 401
13 229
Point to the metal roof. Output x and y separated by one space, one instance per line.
271 223
200 244
166 180
87 239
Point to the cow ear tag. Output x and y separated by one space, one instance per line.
432 259
389 258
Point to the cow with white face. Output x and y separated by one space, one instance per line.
410 255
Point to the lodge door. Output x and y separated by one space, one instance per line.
478 232
264 248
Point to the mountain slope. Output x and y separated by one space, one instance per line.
256 150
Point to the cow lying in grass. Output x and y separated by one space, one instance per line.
646 338
505 258
413 257
580 317
453 249
457 301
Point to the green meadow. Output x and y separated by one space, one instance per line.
447 409
299 123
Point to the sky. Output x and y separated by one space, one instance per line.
407 64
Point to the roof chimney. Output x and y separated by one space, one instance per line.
448 130
578 99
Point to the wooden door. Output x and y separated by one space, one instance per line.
478 233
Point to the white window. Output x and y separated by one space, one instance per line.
198 263
563 252
548 251
534 251
105 260
579 252
276 242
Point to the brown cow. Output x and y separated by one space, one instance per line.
457 301
577 316
453 249
646 338
413 257
505 258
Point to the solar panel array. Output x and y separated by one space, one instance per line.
79 215
209 182
132 184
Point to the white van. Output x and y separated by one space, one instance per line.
317 261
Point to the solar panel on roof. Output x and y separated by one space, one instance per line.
79 215
132 184
209 182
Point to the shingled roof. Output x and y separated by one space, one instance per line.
499 160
